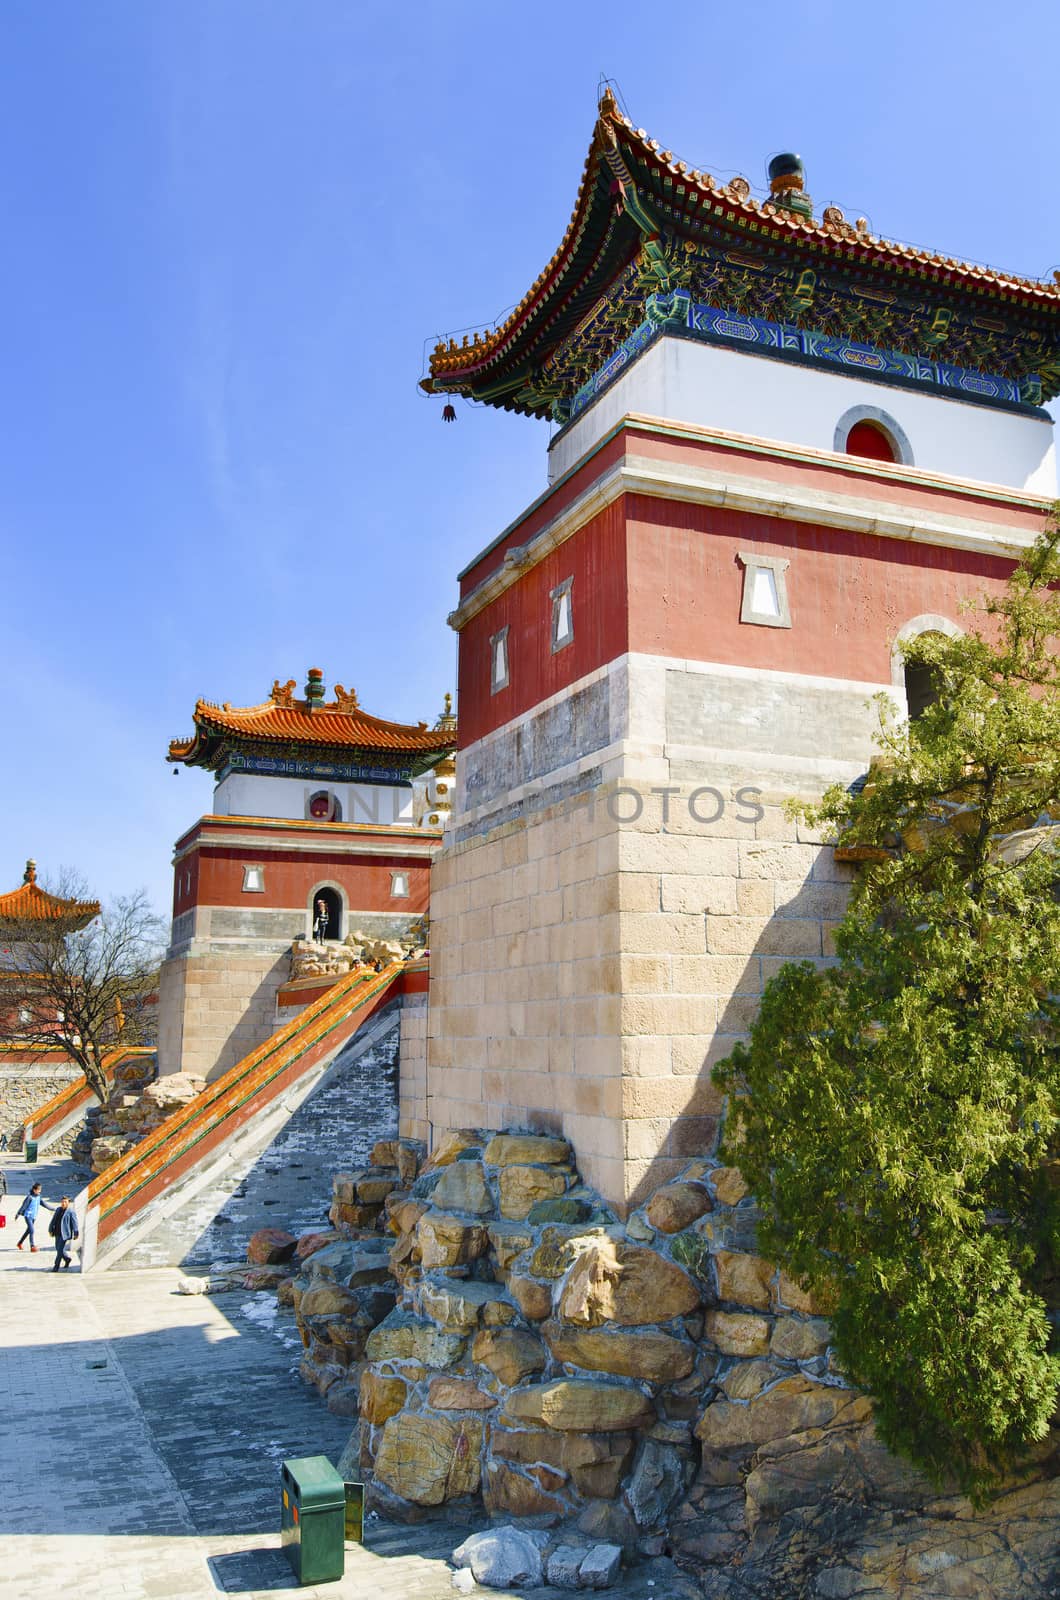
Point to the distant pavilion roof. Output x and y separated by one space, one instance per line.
314 730
30 904
644 222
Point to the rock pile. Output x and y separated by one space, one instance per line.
343 1284
565 1367
138 1102
521 1355
319 958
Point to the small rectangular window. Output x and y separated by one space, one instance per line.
399 885
765 590
499 660
562 615
253 880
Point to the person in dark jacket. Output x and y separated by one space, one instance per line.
63 1229
30 1210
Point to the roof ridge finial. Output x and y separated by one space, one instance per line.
30 874
447 719
314 688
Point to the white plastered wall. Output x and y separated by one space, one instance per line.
252 794
766 398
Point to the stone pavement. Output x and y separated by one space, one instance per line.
142 1435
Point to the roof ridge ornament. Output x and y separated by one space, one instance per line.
30 874
346 699
447 719
314 689
282 694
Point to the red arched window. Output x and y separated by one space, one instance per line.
866 439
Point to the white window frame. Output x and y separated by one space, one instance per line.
499 652
254 880
399 885
753 564
562 591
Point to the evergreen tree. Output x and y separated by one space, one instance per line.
897 1113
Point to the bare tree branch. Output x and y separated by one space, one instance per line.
82 991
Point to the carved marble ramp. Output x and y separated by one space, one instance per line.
197 1160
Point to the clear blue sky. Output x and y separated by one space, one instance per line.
230 228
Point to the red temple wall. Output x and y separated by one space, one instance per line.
596 559
662 577
849 593
290 877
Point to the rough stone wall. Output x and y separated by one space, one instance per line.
23 1090
656 1384
414 1113
215 1005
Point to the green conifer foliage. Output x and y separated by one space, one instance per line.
897 1114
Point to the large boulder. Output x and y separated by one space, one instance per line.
503 1558
511 1354
381 1398
461 1305
511 1149
645 1354
738 1333
515 1494
789 1407
447 1241
625 1284
522 1188
403 1337
582 1404
462 1187
430 1460
677 1205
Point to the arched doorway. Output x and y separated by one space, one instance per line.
326 914
920 681
922 687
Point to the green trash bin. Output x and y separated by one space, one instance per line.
354 1512
29 1150
314 1512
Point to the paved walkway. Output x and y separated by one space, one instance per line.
142 1436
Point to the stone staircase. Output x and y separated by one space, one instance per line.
229 1121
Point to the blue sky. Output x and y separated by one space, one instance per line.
231 229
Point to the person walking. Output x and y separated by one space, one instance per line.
64 1230
29 1210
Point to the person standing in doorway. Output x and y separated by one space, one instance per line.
63 1229
320 926
30 1211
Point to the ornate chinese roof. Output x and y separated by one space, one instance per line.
652 242
29 903
285 734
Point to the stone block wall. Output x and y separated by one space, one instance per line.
524 1018
215 1006
601 932
414 1120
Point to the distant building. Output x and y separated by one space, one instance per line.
783 446
30 1071
323 825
